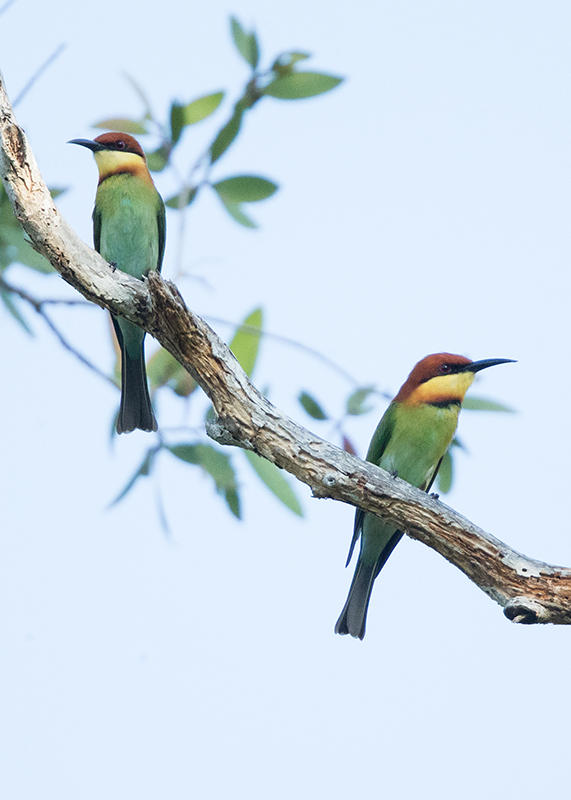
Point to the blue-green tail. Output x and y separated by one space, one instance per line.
353 618
135 410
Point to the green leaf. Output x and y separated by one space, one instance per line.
273 478
245 343
246 43
300 85
191 113
226 135
212 460
14 246
123 124
445 474
14 310
216 464
356 401
311 406
158 159
144 469
485 404
245 189
236 212
164 370
183 199
28 256
286 61
233 502
177 121
201 108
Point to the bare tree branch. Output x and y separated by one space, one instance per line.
529 591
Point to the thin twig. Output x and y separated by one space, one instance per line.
194 430
71 349
63 301
291 343
39 72
38 306
6 6
204 162
48 301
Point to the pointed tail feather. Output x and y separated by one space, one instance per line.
135 410
353 618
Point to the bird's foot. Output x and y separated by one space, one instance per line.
394 473
434 495
113 266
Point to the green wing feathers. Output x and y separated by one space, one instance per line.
161 225
96 216
377 446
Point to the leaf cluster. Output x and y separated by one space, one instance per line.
282 80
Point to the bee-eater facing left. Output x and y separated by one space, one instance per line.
410 441
129 232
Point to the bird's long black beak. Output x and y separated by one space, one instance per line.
89 143
476 366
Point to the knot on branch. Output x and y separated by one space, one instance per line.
226 432
167 307
16 143
522 565
525 611
164 293
329 481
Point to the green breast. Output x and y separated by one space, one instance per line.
128 208
419 438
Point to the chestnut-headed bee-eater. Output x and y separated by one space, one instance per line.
129 232
410 441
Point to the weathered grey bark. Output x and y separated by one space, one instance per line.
528 590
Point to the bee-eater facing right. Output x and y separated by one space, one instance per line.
410 441
129 232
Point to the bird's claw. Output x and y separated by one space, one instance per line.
394 473
435 495
113 265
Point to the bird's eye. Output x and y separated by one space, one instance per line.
120 144
445 369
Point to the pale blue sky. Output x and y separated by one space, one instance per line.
424 206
